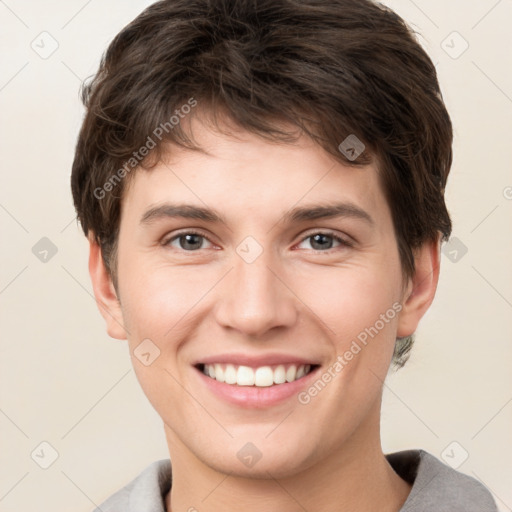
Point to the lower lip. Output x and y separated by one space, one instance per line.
257 397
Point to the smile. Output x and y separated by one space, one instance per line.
262 376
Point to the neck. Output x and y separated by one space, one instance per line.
355 478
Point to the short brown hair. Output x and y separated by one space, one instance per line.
331 68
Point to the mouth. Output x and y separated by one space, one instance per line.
255 381
259 377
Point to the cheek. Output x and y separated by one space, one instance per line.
166 305
350 300
359 312
159 314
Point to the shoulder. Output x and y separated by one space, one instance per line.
437 486
145 493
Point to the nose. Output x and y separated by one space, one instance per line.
255 297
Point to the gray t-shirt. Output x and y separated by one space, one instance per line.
436 487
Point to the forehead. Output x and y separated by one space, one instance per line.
240 171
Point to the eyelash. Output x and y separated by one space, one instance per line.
337 238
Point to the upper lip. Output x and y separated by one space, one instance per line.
256 361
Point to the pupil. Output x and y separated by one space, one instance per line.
190 244
320 237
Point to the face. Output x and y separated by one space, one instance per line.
233 264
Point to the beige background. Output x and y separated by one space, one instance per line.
64 382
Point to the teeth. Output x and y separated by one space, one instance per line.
291 373
280 375
245 376
229 374
219 373
264 376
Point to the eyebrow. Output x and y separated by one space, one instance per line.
298 214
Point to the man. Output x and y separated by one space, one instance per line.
262 186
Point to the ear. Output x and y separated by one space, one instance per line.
421 288
105 293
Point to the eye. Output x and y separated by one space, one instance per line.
187 240
322 241
192 241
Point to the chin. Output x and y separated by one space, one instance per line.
283 465
259 458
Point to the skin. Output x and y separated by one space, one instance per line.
191 303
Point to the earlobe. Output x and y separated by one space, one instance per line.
422 288
105 293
